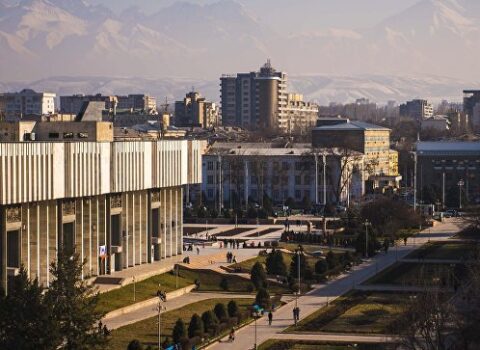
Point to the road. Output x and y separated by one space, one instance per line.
319 296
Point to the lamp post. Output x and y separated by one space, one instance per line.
460 185
366 238
324 159
256 314
316 178
415 181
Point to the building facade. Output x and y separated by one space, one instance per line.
448 168
73 104
195 111
254 100
115 204
416 110
137 102
238 174
300 116
373 141
27 102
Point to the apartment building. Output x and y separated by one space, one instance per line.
417 110
16 105
471 107
116 203
373 141
254 100
300 116
194 110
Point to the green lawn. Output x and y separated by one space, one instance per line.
444 250
417 274
209 282
308 345
145 289
356 312
147 330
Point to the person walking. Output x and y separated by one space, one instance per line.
231 337
270 318
295 316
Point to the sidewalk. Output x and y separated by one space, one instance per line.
176 303
333 337
318 297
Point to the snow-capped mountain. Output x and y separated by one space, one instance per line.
42 38
321 89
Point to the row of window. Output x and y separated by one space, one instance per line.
68 135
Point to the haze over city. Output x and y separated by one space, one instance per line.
239 174
340 50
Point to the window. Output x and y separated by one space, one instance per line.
275 180
307 179
210 193
53 135
83 135
306 194
298 180
254 180
210 179
68 135
285 166
284 180
298 194
209 165
298 166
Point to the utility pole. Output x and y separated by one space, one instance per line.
324 156
316 178
415 182
366 238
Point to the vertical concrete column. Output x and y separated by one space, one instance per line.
149 228
3 248
108 237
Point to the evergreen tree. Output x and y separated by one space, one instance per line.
220 311
321 266
262 298
179 331
210 322
135 345
73 305
26 320
195 328
232 308
332 260
305 270
275 263
258 276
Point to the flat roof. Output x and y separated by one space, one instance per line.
351 125
448 148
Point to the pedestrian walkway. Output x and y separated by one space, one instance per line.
336 337
433 261
399 288
173 304
318 297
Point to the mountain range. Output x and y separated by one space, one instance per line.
75 38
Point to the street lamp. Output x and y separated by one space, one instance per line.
257 312
460 185
366 238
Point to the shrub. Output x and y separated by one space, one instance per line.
332 260
220 311
135 345
179 331
196 327
258 276
210 322
232 308
262 298
275 263
321 266
224 283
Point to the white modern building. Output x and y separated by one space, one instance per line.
117 204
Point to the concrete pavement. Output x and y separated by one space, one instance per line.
318 297
149 311
334 337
